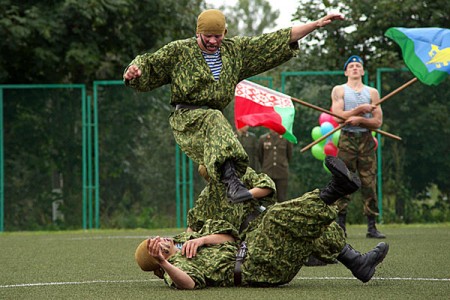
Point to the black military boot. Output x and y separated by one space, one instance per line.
236 190
341 221
372 231
363 265
342 183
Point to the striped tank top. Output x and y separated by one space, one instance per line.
214 62
354 99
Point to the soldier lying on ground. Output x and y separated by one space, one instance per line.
272 254
212 203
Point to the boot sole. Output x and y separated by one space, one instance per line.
370 236
241 199
338 168
379 260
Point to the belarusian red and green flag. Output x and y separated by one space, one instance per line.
426 51
256 105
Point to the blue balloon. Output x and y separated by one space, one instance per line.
326 127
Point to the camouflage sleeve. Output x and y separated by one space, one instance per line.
192 267
155 68
196 215
212 266
218 227
266 51
186 236
260 180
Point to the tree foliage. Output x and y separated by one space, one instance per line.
81 41
250 17
70 41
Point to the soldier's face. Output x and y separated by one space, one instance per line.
209 43
354 69
167 247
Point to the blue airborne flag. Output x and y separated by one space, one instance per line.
426 51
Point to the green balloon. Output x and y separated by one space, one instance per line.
335 137
316 133
317 152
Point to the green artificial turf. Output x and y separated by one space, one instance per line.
100 264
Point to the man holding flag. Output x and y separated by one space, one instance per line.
203 73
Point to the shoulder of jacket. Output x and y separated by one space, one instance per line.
182 43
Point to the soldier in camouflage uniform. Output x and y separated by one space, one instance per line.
357 103
212 202
203 73
277 248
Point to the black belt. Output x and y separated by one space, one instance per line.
240 257
250 217
189 106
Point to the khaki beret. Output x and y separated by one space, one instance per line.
211 21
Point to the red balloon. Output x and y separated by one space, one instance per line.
335 124
325 118
330 149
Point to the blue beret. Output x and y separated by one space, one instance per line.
353 58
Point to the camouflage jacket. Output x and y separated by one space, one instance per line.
213 265
277 247
212 202
181 64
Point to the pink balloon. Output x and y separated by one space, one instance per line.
376 143
335 124
330 149
325 118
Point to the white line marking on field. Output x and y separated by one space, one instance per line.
154 280
73 282
374 278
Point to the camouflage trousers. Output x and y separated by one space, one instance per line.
358 153
288 233
206 136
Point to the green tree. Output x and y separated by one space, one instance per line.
81 41
70 41
249 17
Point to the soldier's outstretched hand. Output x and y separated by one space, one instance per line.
329 18
132 72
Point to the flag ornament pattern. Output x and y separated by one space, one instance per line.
426 51
256 105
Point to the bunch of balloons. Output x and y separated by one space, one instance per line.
327 146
